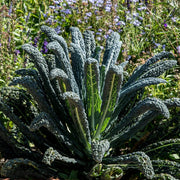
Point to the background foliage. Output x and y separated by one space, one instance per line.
146 28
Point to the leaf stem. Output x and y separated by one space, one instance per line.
106 109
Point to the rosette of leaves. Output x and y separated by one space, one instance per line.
80 109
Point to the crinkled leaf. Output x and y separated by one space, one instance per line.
77 38
137 160
66 66
50 155
79 117
61 76
89 42
158 68
147 104
93 99
99 148
110 96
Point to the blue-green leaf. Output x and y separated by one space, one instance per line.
89 42
79 117
61 76
93 99
110 96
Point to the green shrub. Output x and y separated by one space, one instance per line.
80 111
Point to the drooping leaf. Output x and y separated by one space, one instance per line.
63 44
22 127
50 155
137 160
143 106
131 130
78 59
13 168
166 144
66 66
158 68
30 84
43 70
45 120
139 84
50 32
61 76
164 166
140 70
79 117
173 102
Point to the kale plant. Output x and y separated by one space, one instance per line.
79 109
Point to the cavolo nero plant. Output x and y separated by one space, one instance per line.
78 109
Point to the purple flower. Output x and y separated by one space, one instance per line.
108 8
79 21
56 2
49 21
106 36
66 11
58 29
134 1
16 52
157 44
0 44
165 25
178 49
85 17
89 14
35 41
128 18
128 58
98 33
98 38
52 7
136 23
163 47
143 32
146 2
135 14
27 18
99 2
98 18
140 18
116 19
44 49
121 23
142 8
110 31
174 19
45 15
92 1
101 47
10 8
